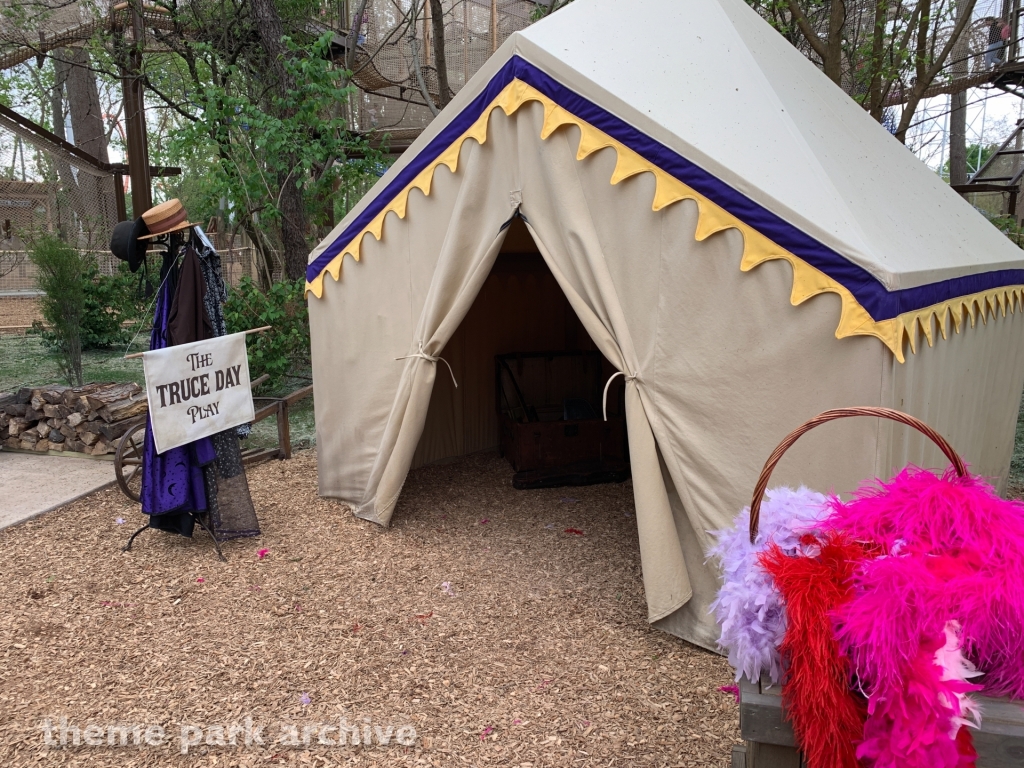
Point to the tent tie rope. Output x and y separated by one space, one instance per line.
433 359
604 398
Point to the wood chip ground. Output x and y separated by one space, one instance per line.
477 619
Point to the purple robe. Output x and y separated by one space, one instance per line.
172 481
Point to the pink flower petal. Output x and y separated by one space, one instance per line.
731 689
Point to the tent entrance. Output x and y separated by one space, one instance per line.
549 415
530 381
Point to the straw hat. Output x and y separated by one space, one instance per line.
165 218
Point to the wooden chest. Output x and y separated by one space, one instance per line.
551 419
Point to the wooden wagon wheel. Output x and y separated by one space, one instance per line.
128 461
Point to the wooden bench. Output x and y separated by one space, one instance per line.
769 742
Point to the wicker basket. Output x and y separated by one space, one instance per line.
768 737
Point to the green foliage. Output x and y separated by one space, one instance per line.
977 156
105 300
61 277
1008 225
541 10
113 308
248 138
282 350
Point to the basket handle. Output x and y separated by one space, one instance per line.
832 415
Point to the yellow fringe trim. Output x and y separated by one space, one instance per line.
807 281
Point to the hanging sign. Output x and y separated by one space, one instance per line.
198 389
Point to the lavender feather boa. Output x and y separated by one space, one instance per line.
748 608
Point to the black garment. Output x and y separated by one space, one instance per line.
216 294
231 514
216 291
188 320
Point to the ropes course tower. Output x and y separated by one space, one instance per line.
395 60
85 193
993 184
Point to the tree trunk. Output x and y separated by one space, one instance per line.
833 62
958 139
958 110
291 205
98 204
876 99
830 50
85 108
64 173
437 18
293 228
352 41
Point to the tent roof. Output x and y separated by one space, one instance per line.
737 99
714 102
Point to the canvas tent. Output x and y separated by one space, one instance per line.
732 232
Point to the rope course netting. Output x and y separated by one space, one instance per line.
29 28
44 187
74 197
32 28
394 36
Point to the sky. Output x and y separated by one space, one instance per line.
991 117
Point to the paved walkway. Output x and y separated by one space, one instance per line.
31 485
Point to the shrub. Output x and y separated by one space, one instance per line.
111 302
61 277
282 350
114 308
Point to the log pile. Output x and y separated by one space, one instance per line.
89 419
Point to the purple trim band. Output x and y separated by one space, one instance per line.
437 146
866 289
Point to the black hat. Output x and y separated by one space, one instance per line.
125 243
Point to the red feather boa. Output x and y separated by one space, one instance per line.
826 718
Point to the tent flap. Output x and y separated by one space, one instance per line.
467 255
577 262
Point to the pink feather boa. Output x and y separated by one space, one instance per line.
919 721
955 551
940 596
944 596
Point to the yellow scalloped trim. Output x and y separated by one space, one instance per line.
854 320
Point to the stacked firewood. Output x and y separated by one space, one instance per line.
89 419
